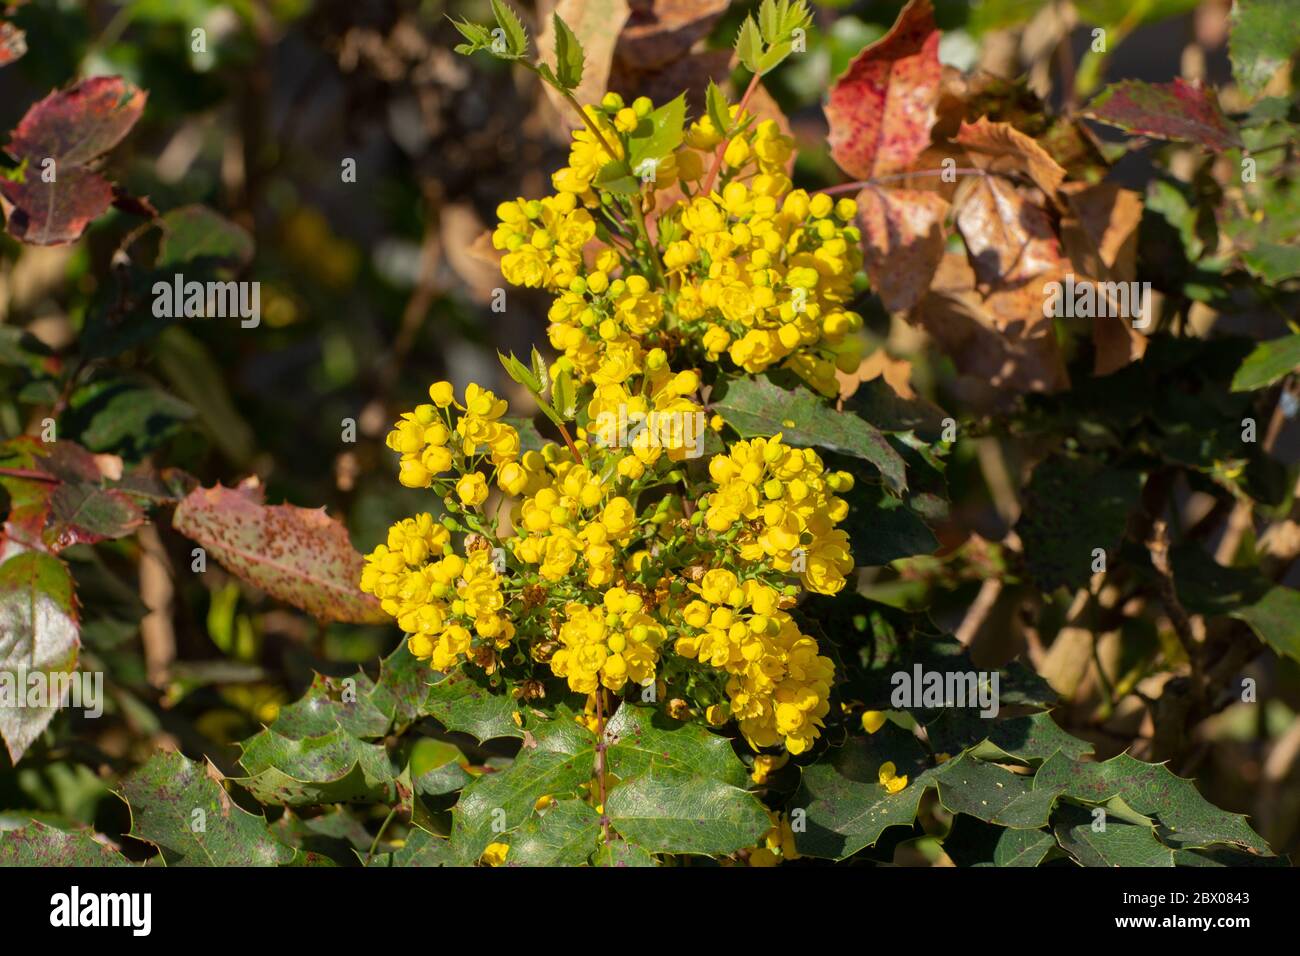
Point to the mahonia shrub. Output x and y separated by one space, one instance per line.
680 605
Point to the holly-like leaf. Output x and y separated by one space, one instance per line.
38 844
1118 843
1073 507
38 636
333 767
760 407
1177 111
297 555
1272 261
58 137
562 835
882 109
1264 35
180 807
344 702
1185 818
846 806
560 761
680 788
902 241
990 793
422 849
974 843
666 811
1029 740
462 703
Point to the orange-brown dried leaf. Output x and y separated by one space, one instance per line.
1009 238
1001 342
1000 148
902 242
660 31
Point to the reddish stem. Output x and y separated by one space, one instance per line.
722 147
28 475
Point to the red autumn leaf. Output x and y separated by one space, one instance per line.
48 214
65 501
882 109
902 242
72 127
298 555
1176 110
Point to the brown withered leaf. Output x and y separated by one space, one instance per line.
690 74
1000 341
660 31
1000 148
1099 235
1009 238
1107 218
902 242
881 111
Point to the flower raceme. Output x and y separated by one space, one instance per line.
750 272
603 570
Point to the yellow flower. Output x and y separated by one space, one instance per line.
472 490
495 854
872 720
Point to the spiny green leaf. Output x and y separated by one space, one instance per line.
333 767
462 703
562 835
666 811
845 806
568 54
38 844
180 807
1116 844
990 793
1186 818
516 38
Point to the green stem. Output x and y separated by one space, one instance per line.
378 836
645 237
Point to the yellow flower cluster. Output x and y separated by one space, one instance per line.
436 596
779 684
785 502
608 645
755 271
428 441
